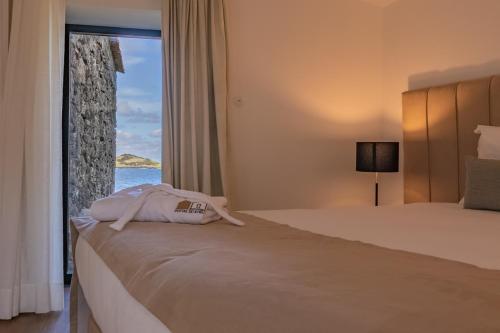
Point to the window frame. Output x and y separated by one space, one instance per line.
90 30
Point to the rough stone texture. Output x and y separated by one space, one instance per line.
92 128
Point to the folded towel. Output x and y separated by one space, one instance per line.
160 203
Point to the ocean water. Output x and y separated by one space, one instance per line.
128 177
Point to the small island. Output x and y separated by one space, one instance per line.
133 161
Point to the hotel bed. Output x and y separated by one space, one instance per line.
439 230
429 266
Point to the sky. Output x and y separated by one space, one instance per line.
139 98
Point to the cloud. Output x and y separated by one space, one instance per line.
127 136
146 105
132 143
131 61
156 133
132 92
134 112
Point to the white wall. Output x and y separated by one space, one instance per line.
433 42
308 73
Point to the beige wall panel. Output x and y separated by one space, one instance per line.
443 146
495 101
416 157
473 108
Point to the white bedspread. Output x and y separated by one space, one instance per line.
441 230
112 307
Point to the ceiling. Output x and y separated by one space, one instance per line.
143 14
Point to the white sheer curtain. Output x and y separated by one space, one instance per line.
31 274
195 99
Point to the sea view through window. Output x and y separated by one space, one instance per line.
139 98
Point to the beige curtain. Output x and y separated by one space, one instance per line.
31 274
195 99
4 40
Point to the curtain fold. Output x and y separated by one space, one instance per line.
195 95
31 237
4 40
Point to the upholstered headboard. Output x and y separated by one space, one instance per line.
438 127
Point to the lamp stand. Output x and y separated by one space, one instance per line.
376 188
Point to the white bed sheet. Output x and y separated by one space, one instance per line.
441 230
113 308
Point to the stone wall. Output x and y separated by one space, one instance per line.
92 128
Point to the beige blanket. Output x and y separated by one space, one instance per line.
267 277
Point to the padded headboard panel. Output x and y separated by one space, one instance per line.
438 126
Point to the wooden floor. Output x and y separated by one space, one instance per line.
57 322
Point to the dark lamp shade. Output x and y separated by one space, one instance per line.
377 156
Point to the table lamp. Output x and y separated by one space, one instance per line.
377 157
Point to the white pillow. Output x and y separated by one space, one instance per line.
489 143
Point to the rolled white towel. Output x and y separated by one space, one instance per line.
160 203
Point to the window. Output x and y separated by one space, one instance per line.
111 116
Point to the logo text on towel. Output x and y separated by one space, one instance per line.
190 207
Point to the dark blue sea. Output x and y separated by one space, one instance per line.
128 177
